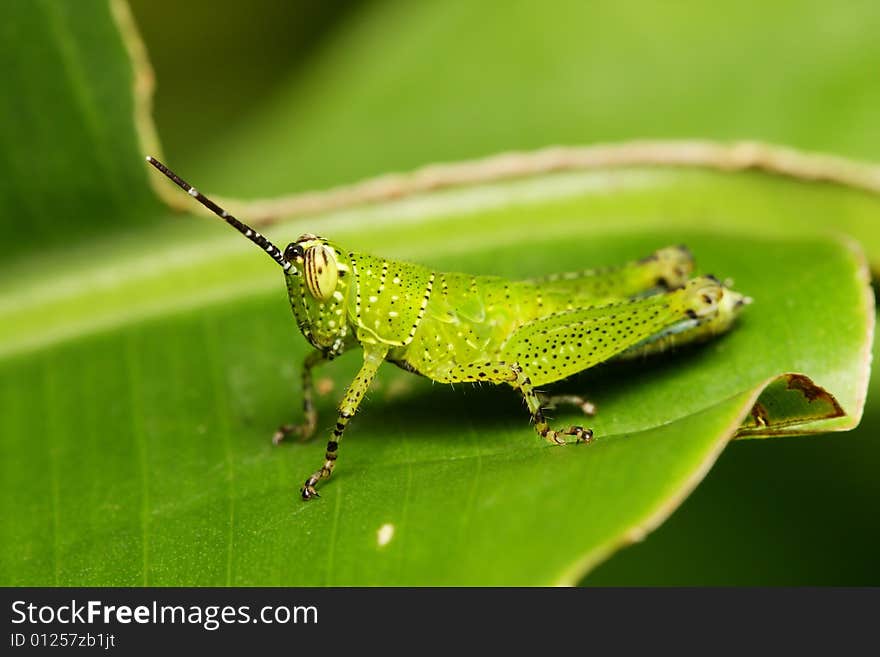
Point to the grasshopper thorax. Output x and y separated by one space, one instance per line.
318 290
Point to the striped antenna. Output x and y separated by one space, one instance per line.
242 228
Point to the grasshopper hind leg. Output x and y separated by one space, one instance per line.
663 270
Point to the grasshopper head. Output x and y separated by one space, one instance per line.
315 270
318 287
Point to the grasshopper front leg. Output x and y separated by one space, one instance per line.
373 357
310 415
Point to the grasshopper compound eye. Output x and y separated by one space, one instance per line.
294 252
321 271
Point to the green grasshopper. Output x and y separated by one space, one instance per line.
452 327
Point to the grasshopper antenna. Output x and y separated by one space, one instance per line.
255 237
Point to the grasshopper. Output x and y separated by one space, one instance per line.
453 327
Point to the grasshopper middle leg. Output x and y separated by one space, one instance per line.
499 372
552 401
523 383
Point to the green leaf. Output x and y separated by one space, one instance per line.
146 443
400 84
785 512
69 154
141 376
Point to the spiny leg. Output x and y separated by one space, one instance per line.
307 428
373 358
552 401
665 269
524 384
562 344
499 372
559 345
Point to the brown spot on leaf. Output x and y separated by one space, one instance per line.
811 391
759 413
789 405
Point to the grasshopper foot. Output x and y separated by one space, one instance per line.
303 431
581 435
283 431
308 491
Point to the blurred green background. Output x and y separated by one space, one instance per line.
313 94
273 97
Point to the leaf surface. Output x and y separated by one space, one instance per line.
143 371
